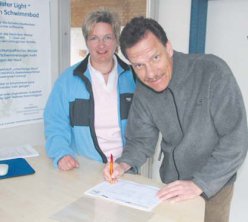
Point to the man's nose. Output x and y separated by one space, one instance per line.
150 72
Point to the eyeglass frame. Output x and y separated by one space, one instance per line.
107 39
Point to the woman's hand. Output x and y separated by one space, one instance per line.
67 163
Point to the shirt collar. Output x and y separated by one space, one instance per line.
112 75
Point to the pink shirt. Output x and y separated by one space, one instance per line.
107 127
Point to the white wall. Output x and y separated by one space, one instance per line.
174 16
227 31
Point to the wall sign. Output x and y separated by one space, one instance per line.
25 73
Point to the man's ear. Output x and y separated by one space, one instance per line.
169 48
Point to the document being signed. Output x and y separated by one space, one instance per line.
128 193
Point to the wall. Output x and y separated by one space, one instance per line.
227 31
126 9
174 16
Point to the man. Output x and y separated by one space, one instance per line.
196 104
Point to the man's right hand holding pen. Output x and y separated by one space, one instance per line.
118 171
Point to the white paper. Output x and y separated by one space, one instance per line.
23 151
128 193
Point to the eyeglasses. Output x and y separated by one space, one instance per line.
107 39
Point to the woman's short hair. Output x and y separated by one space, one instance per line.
101 15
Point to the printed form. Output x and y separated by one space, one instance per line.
128 193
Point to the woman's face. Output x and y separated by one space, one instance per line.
101 43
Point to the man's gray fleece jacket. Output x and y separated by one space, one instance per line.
202 119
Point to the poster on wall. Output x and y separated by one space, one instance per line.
25 73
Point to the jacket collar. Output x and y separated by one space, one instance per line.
82 67
180 69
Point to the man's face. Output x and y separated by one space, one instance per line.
152 62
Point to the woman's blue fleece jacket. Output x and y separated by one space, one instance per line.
69 112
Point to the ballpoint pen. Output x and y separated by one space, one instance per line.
111 165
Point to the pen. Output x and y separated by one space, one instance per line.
111 166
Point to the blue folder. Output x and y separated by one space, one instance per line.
17 167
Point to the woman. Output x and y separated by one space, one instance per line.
87 110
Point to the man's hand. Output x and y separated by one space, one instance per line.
119 170
179 190
67 163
